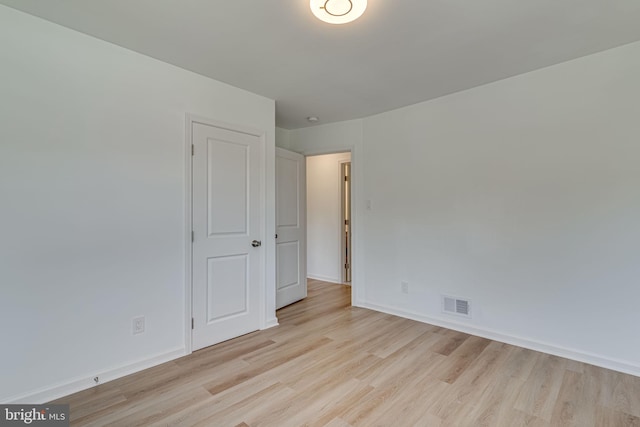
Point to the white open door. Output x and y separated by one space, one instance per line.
291 232
227 228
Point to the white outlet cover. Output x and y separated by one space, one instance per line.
138 325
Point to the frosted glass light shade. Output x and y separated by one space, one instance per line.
338 11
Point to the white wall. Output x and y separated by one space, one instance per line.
329 138
324 216
521 195
92 200
283 138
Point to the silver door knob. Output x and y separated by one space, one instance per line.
256 243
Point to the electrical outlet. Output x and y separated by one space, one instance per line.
138 325
404 287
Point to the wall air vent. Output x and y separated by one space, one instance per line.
457 306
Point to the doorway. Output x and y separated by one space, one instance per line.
329 248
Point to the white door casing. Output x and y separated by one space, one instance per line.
291 262
226 218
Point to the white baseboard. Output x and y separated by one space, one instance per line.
568 353
271 323
47 394
324 278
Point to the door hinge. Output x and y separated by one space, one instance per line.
346 266
193 236
192 322
192 150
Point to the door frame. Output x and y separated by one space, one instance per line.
343 245
188 219
356 214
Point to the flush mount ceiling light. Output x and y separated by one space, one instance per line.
338 11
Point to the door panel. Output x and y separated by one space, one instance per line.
226 219
288 256
227 181
291 262
288 211
227 287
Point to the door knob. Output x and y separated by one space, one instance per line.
256 243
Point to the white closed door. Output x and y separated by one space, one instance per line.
227 229
291 248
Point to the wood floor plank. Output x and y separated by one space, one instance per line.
520 363
311 403
486 371
538 396
626 394
145 409
447 344
494 406
572 407
462 357
339 406
338 422
607 417
330 364
256 405
412 409
269 362
207 409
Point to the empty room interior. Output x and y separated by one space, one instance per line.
320 212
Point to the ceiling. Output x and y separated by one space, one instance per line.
399 53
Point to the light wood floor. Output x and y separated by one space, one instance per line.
329 364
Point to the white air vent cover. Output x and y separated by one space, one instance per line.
458 306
